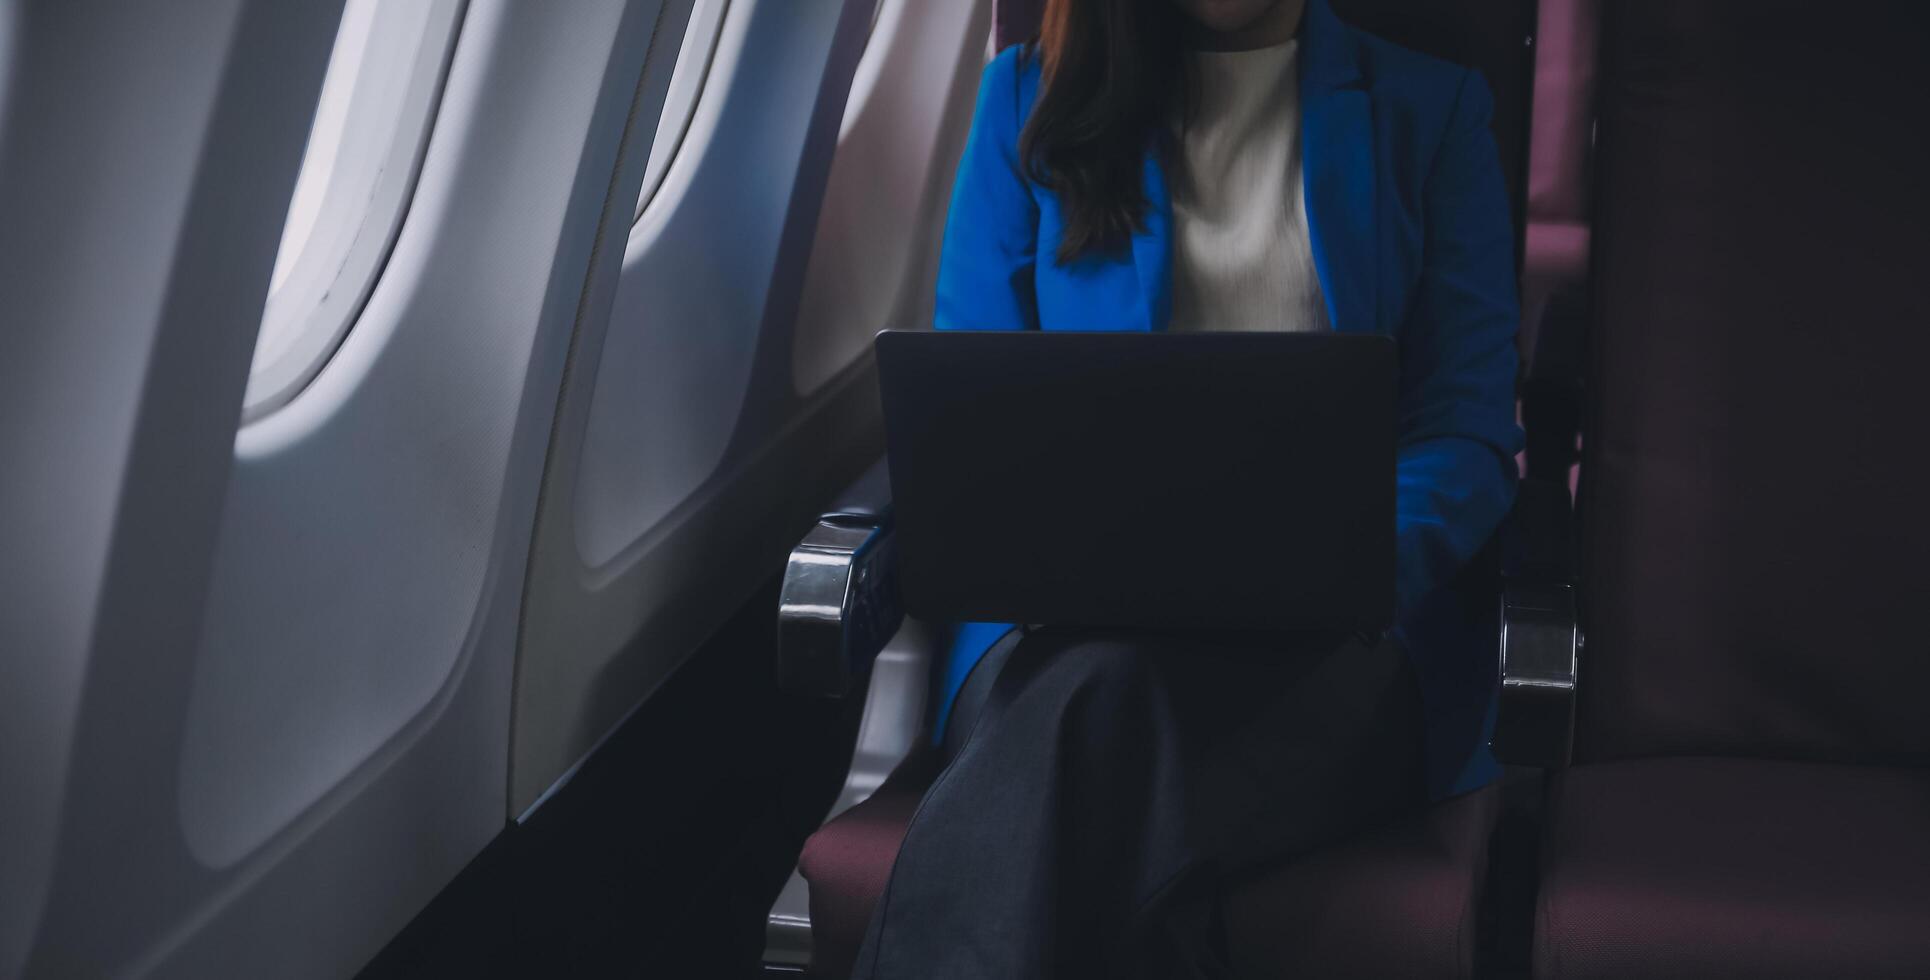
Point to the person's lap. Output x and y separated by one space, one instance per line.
1100 783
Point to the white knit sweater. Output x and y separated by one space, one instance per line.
1242 254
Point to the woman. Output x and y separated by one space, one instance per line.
1214 165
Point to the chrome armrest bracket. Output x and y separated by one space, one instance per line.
1541 637
1541 645
838 606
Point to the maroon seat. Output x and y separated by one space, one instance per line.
1701 867
1399 901
848 860
1752 504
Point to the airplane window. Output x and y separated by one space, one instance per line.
686 87
365 147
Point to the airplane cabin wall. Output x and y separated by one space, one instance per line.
146 154
266 719
874 262
687 456
275 675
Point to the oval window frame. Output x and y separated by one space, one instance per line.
363 205
704 29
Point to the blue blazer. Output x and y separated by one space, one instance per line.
1411 237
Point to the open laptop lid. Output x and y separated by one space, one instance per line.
1162 481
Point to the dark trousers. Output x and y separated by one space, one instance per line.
1103 787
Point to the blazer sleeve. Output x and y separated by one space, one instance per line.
1455 472
985 271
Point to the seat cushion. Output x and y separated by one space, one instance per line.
1701 867
849 859
1398 902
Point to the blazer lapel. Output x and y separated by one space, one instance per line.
1337 150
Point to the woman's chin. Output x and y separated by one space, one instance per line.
1228 17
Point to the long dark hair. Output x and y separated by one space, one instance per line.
1112 75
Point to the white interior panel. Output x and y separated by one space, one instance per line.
350 561
9 12
278 717
698 275
145 156
682 460
109 118
875 255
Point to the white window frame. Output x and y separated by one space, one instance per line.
373 121
688 77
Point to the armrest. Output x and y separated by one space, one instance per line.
1551 390
839 602
866 502
1541 639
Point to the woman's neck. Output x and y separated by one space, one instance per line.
1276 26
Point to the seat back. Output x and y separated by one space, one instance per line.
1018 21
1754 542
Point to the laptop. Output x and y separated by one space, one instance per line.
1168 481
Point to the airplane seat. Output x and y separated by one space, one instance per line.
1398 901
1751 794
